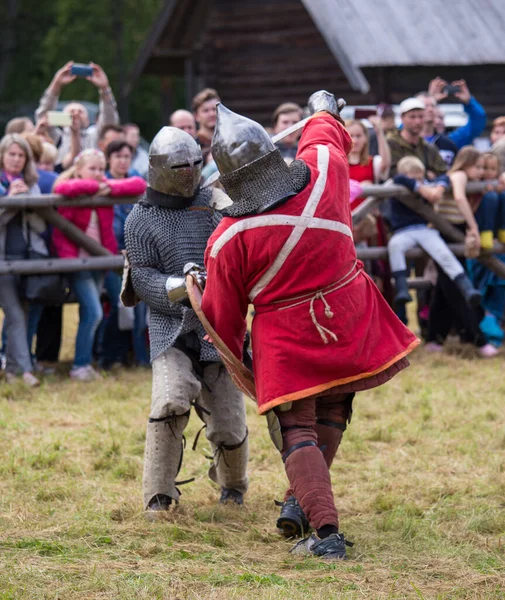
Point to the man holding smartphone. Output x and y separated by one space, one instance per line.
107 114
439 90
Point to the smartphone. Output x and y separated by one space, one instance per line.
450 90
58 118
82 70
364 113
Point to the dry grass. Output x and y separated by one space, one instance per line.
419 482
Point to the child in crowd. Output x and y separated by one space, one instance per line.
489 209
447 310
87 177
48 157
490 285
411 230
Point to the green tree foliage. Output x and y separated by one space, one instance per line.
45 35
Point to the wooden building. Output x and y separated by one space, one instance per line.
259 53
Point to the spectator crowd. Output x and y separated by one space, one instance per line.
106 158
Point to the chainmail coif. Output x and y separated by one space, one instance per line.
159 242
263 183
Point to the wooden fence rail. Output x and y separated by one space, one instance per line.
102 259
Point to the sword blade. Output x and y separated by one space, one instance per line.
276 138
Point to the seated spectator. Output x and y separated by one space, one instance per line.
204 110
109 134
19 125
183 119
87 177
286 115
477 117
18 176
411 230
445 145
88 135
140 160
408 141
114 344
448 309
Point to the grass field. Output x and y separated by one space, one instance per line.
419 478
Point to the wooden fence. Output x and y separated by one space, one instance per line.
101 259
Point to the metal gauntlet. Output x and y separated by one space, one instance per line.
176 286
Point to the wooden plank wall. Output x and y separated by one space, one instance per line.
259 54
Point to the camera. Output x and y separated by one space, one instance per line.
80 70
450 90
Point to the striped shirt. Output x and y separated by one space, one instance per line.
448 209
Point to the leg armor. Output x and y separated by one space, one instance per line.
163 457
225 429
174 387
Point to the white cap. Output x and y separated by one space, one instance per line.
411 104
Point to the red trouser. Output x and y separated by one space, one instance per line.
311 432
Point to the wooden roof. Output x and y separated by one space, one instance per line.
412 32
357 34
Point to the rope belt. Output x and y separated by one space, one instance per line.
320 295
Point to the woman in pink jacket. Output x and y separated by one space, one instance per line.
87 177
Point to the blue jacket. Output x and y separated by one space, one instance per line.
477 118
401 216
46 181
121 211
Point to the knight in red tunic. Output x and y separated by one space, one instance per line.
321 330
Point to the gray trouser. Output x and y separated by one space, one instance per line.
430 241
17 354
175 388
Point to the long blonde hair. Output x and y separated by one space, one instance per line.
468 156
364 155
79 161
30 175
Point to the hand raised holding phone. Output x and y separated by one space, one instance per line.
70 71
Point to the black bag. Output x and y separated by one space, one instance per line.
50 289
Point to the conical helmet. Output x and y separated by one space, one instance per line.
175 163
253 172
238 141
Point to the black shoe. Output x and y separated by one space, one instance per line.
402 287
229 495
292 521
470 294
159 502
329 548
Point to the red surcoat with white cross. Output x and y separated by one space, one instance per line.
320 321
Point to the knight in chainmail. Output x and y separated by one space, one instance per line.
166 230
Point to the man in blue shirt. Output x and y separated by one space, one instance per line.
463 136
